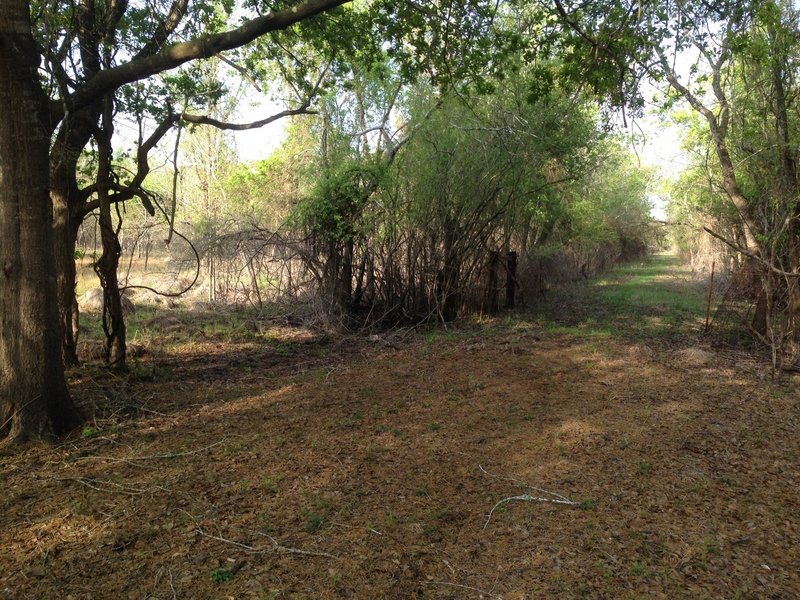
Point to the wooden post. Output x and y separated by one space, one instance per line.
710 290
493 290
511 279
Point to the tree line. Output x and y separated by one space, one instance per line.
442 132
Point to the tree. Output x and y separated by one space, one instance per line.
34 400
440 40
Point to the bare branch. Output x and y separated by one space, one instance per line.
752 255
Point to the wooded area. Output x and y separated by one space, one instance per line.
466 172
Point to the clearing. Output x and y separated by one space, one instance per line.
267 462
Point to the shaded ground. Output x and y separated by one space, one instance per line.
277 465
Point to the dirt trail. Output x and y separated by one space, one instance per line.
370 470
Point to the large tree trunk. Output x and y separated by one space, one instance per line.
34 400
69 211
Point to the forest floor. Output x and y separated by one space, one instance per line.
595 447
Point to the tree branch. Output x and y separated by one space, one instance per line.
206 120
749 254
175 55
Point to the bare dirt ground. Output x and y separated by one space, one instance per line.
416 466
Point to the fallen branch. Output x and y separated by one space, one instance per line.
552 498
464 587
527 498
275 549
527 485
112 487
169 455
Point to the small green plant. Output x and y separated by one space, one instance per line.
391 519
421 491
263 519
644 468
373 451
430 530
433 426
588 505
710 547
270 485
89 432
221 575
315 522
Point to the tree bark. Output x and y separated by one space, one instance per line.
108 263
34 400
68 212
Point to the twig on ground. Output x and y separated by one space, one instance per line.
528 486
169 455
551 497
526 498
171 586
276 547
109 486
464 587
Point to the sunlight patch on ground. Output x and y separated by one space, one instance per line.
577 432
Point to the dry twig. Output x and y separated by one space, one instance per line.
275 549
464 587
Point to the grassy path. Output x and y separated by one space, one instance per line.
408 468
657 299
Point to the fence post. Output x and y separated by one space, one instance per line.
493 290
511 279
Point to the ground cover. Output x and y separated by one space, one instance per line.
590 446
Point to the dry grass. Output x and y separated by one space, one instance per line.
281 466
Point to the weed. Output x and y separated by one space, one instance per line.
353 418
588 505
421 491
89 432
391 519
710 547
373 451
270 485
315 522
430 530
644 468
263 519
221 575
433 426
81 507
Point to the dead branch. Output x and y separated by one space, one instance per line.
112 487
275 549
526 498
551 497
464 587
168 455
